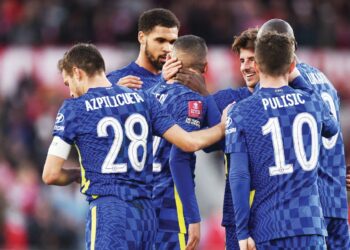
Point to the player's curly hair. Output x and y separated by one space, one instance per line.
274 53
84 56
246 40
158 16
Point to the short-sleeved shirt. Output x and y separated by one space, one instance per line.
112 129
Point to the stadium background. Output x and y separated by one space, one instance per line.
33 36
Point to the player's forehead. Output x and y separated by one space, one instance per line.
164 33
246 53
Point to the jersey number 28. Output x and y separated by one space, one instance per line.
137 140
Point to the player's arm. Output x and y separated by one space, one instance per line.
196 140
240 189
164 126
239 176
180 166
330 125
54 172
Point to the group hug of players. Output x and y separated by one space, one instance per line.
136 129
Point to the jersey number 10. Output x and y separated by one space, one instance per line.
273 126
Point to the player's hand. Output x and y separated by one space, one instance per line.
194 234
171 67
243 244
132 82
251 244
193 80
247 244
348 177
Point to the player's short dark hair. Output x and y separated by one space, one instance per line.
194 47
158 16
84 56
274 53
246 40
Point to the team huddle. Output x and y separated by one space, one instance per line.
136 130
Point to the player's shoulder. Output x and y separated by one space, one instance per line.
124 71
304 67
184 92
71 103
241 108
159 86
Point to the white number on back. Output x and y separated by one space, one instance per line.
137 140
273 127
157 166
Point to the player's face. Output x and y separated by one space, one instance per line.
247 60
159 42
71 82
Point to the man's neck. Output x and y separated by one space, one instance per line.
97 81
143 62
267 81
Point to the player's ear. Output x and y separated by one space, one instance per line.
205 67
76 72
292 66
141 37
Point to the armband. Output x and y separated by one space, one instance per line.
59 148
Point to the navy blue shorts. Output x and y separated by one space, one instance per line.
116 224
170 240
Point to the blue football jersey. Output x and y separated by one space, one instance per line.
280 131
189 111
112 130
222 99
332 169
148 78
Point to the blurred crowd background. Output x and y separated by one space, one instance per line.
35 33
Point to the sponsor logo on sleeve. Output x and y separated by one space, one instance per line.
195 109
59 121
193 122
59 118
228 122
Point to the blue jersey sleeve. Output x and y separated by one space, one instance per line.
240 190
239 176
213 114
67 123
190 115
161 120
330 126
182 172
300 83
213 117
234 134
